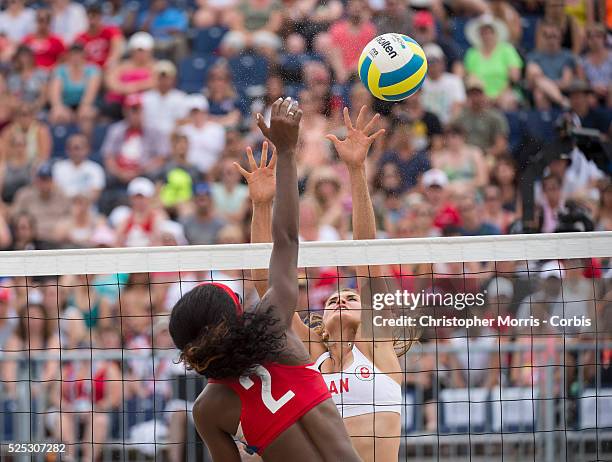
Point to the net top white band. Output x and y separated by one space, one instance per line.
312 254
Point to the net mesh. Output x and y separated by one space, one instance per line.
510 342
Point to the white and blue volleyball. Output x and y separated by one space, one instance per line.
392 67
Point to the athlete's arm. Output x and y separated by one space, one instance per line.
282 279
206 412
261 180
353 151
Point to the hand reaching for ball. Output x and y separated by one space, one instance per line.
284 125
353 150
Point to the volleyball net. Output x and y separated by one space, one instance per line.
513 357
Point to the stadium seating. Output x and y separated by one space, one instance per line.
59 135
464 410
595 409
207 41
512 409
192 72
250 72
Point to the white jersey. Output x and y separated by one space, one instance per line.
362 388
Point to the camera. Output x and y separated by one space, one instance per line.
574 218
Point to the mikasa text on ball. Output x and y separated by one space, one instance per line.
392 67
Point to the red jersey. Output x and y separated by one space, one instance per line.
47 50
97 46
274 398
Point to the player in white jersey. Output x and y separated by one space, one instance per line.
357 359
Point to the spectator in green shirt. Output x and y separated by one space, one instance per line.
492 58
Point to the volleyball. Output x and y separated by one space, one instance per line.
392 67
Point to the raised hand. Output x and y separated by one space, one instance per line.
354 149
261 179
284 124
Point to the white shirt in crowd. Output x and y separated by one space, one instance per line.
163 111
73 179
206 144
578 176
439 96
70 22
17 27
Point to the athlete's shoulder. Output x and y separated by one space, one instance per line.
217 405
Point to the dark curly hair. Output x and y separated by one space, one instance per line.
216 341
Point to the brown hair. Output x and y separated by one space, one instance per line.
400 345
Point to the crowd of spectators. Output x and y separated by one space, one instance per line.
120 122
97 95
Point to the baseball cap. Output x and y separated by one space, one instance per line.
197 103
45 171
201 189
473 83
165 67
141 186
552 269
433 51
132 100
141 41
435 177
423 19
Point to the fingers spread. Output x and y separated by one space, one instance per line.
264 155
262 125
370 125
333 138
377 134
359 122
347 119
284 107
298 116
252 163
242 171
275 110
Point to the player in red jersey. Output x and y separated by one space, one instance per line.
260 376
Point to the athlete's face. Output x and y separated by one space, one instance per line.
343 308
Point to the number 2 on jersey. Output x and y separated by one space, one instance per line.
272 404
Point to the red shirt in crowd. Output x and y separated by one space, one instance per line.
97 46
351 41
47 50
447 216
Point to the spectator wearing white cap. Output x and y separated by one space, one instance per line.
135 74
206 137
142 224
164 105
443 93
434 183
